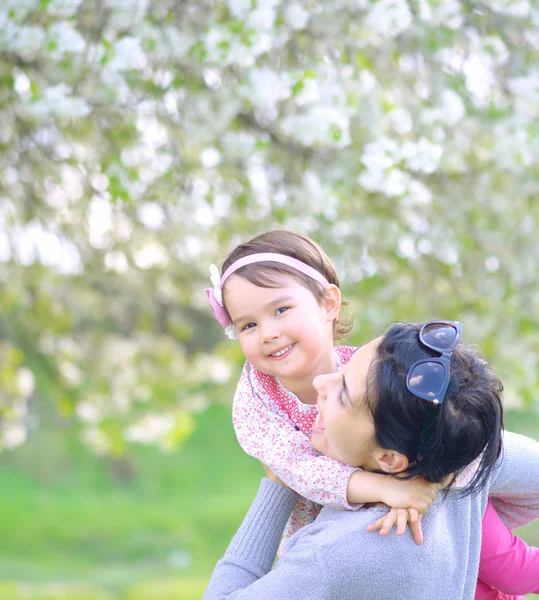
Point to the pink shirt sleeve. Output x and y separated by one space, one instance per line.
269 437
507 563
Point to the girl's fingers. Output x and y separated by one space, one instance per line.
417 531
376 525
385 523
402 519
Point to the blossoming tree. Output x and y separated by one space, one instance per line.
140 139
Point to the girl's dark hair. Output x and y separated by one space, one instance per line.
468 422
266 274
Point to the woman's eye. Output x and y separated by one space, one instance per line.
281 310
248 326
340 393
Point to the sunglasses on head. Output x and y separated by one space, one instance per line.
428 378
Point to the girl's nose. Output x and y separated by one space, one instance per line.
268 332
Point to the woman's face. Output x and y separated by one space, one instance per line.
344 429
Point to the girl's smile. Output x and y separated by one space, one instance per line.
282 353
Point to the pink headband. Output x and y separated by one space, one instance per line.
215 295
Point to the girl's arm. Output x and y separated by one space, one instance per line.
507 563
268 437
265 435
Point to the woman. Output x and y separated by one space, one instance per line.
398 408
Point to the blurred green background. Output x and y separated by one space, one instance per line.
140 140
74 528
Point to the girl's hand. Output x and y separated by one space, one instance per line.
400 517
271 475
417 494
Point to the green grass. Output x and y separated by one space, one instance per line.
76 527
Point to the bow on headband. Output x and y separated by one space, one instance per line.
215 297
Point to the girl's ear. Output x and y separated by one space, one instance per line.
391 461
332 301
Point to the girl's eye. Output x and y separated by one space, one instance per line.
248 326
281 310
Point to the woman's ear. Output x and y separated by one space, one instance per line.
332 301
391 461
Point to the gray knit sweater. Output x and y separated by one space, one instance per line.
336 558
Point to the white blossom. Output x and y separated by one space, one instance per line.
63 8
477 70
57 101
261 18
446 12
151 255
71 373
381 154
296 16
238 144
452 107
95 439
88 412
25 381
492 264
395 183
401 120
26 41
388 18
18 9
422 156
125 14
309 93
407 248
515 8
128 54
150 428
266 88
116 261
12 434
319 125
239 8
152 215
496 48
65 38
210 158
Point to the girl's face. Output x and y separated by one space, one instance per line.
344 429
282 331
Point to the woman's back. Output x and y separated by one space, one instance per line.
337 558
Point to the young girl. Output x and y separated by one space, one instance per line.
279 294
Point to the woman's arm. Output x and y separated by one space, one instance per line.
244 572
514 487
507 563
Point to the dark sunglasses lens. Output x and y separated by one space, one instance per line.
439 335
427 380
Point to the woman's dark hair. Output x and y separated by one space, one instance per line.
300 247
468 422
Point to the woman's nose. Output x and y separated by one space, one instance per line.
319 383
